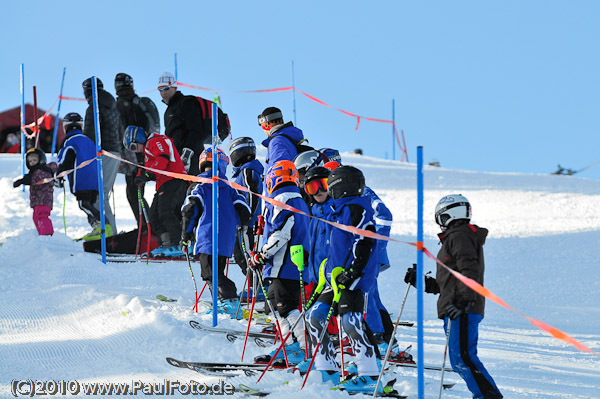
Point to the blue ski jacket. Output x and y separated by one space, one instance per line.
280 147
351 251
250 175
197 215
82 148
383 224
284 228
320 234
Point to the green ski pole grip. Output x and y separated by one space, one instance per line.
297 255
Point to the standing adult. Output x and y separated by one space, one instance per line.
111 137
188 121
460 307
140 112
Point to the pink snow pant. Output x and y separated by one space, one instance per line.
41 218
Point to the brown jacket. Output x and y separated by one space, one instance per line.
462 250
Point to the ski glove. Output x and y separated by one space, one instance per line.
431 286
25 180
346 278
455 311
143 177
257 260
186 240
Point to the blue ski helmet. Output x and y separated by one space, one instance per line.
134 135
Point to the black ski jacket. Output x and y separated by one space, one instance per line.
462 250
111 132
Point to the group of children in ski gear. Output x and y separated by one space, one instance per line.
342 276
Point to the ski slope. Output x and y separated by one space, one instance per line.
66 316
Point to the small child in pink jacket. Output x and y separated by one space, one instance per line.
41 196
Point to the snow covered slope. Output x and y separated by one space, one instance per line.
66 316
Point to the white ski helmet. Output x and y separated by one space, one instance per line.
452 207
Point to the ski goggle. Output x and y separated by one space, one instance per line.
314 186
164 88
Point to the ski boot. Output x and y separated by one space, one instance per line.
361 384
174 252
294 353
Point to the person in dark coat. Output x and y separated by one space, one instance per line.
41 195
188 121
461 308
111 138
134 111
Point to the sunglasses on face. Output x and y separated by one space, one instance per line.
164 88
314 186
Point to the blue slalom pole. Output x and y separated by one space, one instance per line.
294 91
23 138
215 214
176 78
99 164
58 112
394 129
420 363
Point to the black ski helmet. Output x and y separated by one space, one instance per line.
346 181
123 80
315 173
87 86
72 121
37 151
242 150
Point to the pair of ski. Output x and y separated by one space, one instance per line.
251 369
388 391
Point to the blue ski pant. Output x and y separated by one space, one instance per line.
462 350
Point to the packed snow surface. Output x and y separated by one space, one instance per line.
64 315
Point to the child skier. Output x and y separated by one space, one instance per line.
247 172
283 229
76 149
353 253
460 307
165 211
41 196
197 222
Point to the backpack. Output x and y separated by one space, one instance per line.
223 125
300 146
149 109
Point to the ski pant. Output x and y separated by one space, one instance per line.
462 349
110 167
284 295
352 324
86 201
165 212
378 318
227 289
41 219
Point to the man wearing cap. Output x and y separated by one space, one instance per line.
188 121
111 139
282 138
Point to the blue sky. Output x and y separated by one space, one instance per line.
506 86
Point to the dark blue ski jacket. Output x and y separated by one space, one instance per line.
76 149
349 250
320 234
250 175
383 224
280 147
197 215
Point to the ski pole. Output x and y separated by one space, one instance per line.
187 257
137 244
64 207
444 361
297 256
245 253
145 212
249 321
389 348
339 323
336 298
